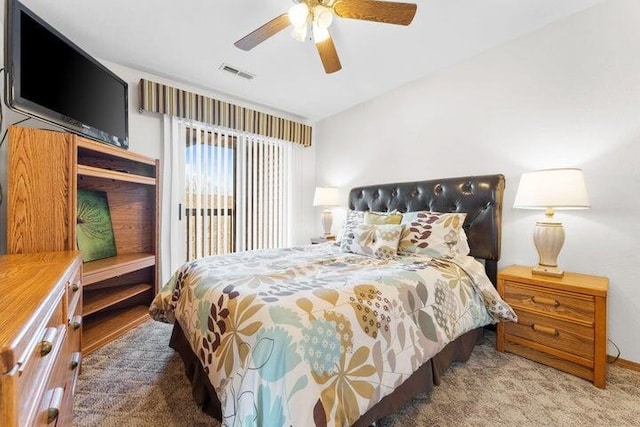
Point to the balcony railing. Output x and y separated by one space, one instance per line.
210 230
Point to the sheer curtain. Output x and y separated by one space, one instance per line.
223 191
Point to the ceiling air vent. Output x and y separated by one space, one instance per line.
237 72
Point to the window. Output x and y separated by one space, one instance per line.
209 210
237 192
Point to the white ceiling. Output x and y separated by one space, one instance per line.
187 40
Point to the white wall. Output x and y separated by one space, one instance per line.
566 95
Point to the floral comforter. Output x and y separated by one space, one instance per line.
310 334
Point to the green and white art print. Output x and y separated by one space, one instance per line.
94 231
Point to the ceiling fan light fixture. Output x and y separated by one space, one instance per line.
300 33
316 16
322 16
298 14
319 34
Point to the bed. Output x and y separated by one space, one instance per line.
319 335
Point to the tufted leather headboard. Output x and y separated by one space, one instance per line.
479 196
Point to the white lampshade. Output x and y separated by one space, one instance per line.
552 188
326 196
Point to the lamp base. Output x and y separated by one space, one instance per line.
327 220
547 271
548 238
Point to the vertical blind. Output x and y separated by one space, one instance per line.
238 193
209 213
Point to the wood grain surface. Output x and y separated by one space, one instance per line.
562 322
46 169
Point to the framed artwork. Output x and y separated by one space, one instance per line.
94 231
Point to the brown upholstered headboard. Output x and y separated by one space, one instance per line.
479 196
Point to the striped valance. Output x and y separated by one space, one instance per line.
163 99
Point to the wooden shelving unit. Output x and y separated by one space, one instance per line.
100 299
103 269
116 175
46 169
106 326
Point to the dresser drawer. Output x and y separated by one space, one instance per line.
31 375
51 407
72 355
74 292
35 341
566 336
570 306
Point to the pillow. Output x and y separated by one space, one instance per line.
463 243
354 218
376 218
379 241
433 233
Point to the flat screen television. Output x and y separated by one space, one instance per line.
52 79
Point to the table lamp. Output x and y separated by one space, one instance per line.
551 189
326 197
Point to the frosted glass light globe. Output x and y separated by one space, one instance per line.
323 16
298 14
319 34
300 33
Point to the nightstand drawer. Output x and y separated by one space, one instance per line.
559 334
558 361
575 307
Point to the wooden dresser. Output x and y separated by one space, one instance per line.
562 321
40 330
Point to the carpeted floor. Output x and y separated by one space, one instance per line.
139 381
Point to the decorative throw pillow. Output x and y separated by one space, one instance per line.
463 244
380 241
376 218
433 233
354 218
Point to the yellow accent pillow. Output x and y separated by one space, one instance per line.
381 218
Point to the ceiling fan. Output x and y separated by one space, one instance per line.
317 15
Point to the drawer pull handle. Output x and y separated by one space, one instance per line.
76 322
47 341
546 301
75 287
545 330
56 404
76 359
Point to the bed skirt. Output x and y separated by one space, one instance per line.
421 381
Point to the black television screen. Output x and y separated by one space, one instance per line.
51 78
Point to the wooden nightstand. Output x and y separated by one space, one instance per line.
562 321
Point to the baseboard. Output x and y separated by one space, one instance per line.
627 364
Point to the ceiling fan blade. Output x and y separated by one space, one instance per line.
329 56
259 35
378 11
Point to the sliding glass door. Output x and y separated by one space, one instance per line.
237 192
210 199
